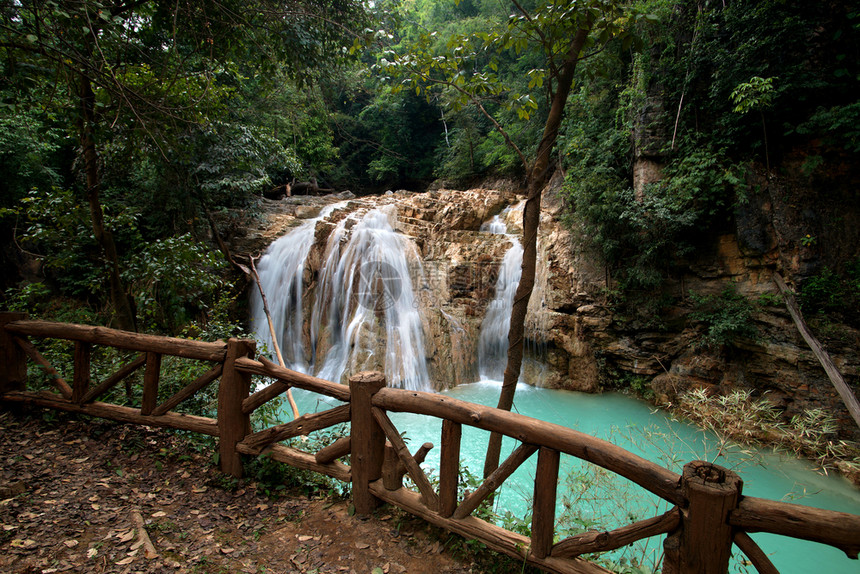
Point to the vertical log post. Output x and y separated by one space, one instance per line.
13 361
151 375
81 381
705 540
233 424
367 439
449 467
546 485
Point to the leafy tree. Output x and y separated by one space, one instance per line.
560 33
755 95
147 67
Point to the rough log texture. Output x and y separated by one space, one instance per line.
233 424
81 379
339 448
13 360
431 499
151 376
263 396
302 460
114 379
37 358
393 469
190 390
449 467
755 554
495 480
368 440
838 529
651 476
706 536
203 425
121 339
543 517
496 538
303 425
294 378
592 541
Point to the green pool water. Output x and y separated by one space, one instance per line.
588 498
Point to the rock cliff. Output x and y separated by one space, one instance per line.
578 337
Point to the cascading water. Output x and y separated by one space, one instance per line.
367 282
492 343
364 312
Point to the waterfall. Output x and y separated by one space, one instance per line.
364 313
493 340
281 271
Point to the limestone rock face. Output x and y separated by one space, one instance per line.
576 338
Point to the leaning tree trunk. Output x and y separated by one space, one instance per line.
124 317
537 178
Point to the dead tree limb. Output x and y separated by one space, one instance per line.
256 276
848 396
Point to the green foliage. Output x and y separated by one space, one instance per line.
726 317
823 292
58 229
756 94
740 416
172 278
834 293
838 125
26 148
235 161
641 237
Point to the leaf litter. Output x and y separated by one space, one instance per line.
70 490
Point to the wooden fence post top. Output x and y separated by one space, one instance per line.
703 475
369 379
712 493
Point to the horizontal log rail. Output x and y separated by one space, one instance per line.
495 537
179 421
709 512
121 339
301 460
648 475
838 529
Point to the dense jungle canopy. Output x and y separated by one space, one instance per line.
125 125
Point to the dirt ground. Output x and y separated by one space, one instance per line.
77 495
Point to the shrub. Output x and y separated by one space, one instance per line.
726 316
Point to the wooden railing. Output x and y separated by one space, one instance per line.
709 512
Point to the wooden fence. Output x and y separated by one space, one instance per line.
709 513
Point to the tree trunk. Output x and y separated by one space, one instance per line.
537 178
124 317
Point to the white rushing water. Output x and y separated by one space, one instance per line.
354 307
364 312
493 339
